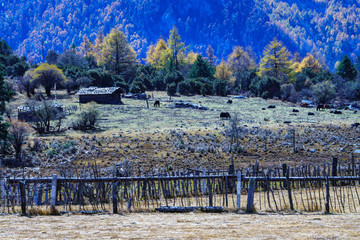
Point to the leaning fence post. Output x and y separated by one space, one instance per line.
23 197
327 202
53 194
238 190
250 199
114 198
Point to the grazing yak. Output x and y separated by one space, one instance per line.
229 101
157 103
320 107
225 115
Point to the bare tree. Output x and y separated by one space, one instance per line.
43 114
19 132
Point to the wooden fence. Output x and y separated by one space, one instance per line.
205 192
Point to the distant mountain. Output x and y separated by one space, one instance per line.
328 28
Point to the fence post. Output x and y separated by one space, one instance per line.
288 186
53 194
327 202
334 169
39 195
352 164
238 190
250 199
114 198
210 193
23 197
3 195
204 182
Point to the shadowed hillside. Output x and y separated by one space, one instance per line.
328 28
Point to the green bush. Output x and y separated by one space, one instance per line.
86 119
220 87
265 84
184 88
171 89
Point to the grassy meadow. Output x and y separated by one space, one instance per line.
156 138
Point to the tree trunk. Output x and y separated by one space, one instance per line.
48 91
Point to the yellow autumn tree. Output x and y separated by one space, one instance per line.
86 46
223 72
276 61
47 75
116 54
240 60
191 57
158 54
96 49
309 62
176 46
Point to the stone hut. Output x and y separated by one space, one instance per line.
109 95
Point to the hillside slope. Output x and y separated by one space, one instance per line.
328 28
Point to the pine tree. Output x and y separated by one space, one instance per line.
5 95
176 45
240 60
309 62
86 46
201 68
346 69
210 55
116 53
275 61
158 55
223 72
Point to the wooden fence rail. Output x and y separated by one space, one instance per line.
181 193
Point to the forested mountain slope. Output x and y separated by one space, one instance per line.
328 28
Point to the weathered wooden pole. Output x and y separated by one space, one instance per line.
327 202
39 194
3 195
250 198
238 190
23 197
334 169
210 193
288 186
114 198
204 182
147 102
53 194
352 164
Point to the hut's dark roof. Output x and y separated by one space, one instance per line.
97 91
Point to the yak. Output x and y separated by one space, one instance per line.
225 115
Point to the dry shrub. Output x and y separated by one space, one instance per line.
19 132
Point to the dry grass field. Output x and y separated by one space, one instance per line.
182 226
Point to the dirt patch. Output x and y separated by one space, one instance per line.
181 226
